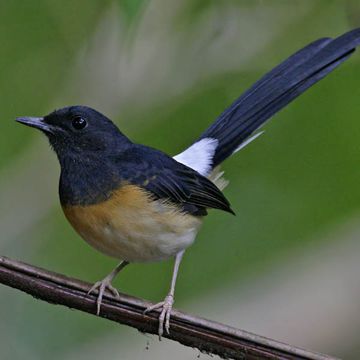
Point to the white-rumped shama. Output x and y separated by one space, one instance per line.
138 204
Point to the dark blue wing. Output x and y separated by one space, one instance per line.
167 179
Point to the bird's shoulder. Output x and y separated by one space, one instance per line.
165 178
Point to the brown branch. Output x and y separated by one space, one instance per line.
207 336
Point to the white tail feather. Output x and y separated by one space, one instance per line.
247 142
199 157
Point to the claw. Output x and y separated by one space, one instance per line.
101 287
154 307
165 314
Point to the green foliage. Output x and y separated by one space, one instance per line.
293 182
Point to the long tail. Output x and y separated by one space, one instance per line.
270 94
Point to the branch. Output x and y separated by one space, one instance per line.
207 336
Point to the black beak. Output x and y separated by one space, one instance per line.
36 122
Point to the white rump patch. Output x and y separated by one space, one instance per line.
199 156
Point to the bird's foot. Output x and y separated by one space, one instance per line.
101 287
164 317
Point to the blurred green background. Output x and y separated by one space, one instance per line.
285 267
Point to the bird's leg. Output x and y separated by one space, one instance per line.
105 284
168 302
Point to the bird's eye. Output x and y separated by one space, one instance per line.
79 123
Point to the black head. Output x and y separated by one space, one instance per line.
78 130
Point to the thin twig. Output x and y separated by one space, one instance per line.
207 336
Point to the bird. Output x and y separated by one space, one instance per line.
138 204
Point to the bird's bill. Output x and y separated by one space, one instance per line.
36 122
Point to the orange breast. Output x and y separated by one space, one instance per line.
132 226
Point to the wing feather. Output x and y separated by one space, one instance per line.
167 179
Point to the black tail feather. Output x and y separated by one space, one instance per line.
276 89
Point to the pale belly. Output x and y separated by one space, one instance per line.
136 230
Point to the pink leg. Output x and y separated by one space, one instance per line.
168 302
105 284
